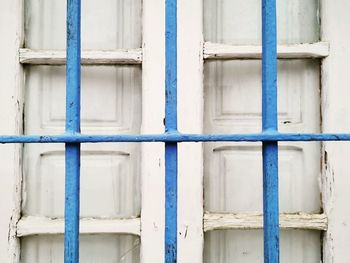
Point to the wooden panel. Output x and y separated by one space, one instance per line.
239 22
109 182
233 96
233 105
246 246
233 180
111 103
109 24
110 172
93 248
111 98
233 171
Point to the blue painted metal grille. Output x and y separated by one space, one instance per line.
269 135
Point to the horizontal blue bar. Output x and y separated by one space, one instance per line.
175 137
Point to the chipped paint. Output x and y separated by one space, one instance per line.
217 221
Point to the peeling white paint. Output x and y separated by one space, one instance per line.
335 23
190 120
255 221
225 51
11 101
335 106
48 226
88 57
152 156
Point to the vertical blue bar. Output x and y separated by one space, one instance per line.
171 126
72 182
270 124
170 202
270 184
171 66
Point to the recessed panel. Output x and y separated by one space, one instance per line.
239 22
109 184
93 249
233 95
233 180
246 246
110 98
105 24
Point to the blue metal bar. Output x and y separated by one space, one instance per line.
170 202
171 127
175 137
171 66
72 182
269 124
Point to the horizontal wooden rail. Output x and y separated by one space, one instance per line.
219 221
212 221
134 56
47 226
223 51
88 57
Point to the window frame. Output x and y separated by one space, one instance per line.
335 108
152 55
11 123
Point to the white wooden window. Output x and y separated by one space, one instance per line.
203 107
112 95
233 171
231 97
